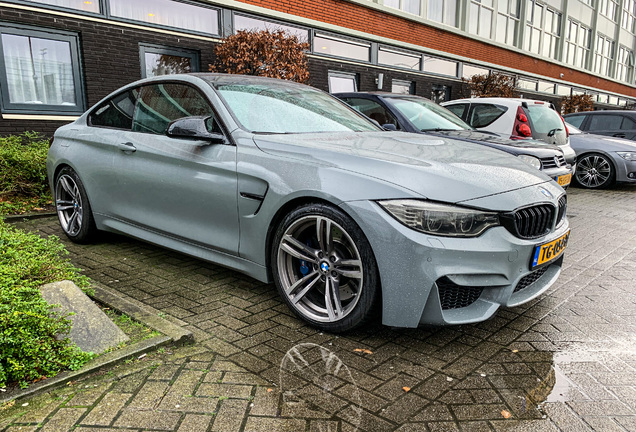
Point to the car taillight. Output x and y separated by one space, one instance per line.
521 128
567 131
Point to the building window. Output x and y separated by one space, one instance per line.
628 15
440 93
83 5
40 71
168 13
443 11
603 55
543 29
410 6
342 82
525 84
242 22
608 8
625 65
507 22
159 60
329 45
468 71
545 87
439 66
399 59
563 90
480 19
402 87
577 44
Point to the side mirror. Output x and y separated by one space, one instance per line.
389 127
194 128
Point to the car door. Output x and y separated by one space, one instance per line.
182 188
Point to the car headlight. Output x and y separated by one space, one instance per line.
440 219
531 160
630 156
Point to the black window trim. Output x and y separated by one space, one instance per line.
168 50
217 118
76 62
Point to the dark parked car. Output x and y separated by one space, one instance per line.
289 185
417 114
602 160
615 123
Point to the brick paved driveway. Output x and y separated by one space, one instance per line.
566 361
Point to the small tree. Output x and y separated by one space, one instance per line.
577 103
492 85
274 54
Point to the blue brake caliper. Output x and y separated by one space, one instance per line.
304 267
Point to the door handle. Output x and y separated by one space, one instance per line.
619 135
127 147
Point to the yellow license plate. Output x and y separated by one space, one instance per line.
549 251
564 180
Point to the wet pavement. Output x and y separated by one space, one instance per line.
565 361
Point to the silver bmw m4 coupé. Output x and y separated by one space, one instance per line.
287 184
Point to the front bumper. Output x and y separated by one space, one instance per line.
443 280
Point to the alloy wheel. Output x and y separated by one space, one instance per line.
320 269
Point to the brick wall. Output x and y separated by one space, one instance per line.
356 17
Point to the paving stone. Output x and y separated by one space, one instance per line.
230 415
148 419
106 409
63 419
225 390
195 423
264 424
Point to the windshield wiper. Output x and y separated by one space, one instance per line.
553 131
438 130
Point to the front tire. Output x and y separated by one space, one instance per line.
324 268
595 171
73 208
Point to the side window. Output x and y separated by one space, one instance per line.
372 110
458 109
575 120
160 104
484 114
628 123
116 112
605 122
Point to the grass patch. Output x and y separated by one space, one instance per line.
33 345
135 330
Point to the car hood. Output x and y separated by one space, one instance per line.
434 167
585 141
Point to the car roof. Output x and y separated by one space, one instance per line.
628 112
511 101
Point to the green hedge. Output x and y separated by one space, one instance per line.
30 344
23 165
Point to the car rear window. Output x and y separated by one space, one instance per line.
545 119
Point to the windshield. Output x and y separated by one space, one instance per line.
275 108
426 115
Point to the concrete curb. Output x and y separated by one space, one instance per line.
29 216
172 334
142 313
108 359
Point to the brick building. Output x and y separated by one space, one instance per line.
58 57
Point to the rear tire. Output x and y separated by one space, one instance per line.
324 268
73 208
